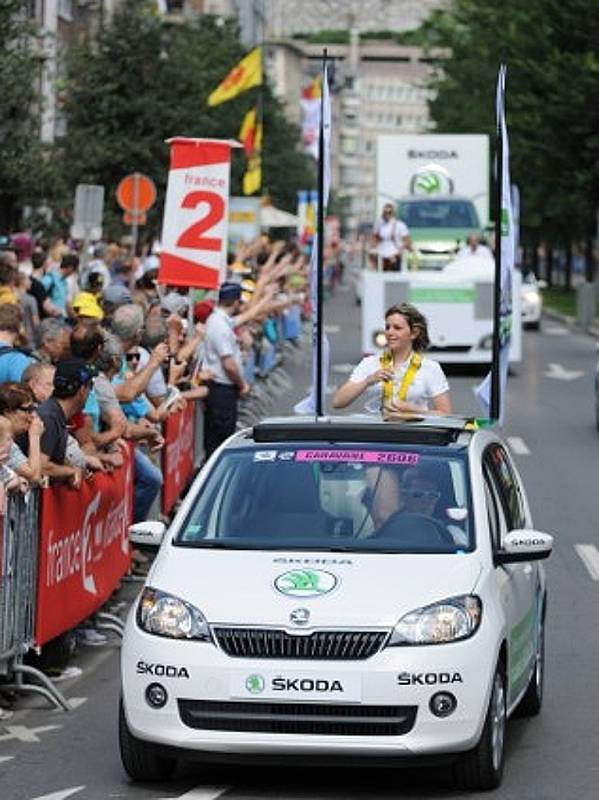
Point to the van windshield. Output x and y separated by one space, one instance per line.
358 498
439 214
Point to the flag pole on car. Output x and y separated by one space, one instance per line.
491 392
314 403
320 245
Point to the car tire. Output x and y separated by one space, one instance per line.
481 768
141 761
531 703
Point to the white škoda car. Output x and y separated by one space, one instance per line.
346 589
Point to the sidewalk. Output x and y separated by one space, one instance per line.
571 322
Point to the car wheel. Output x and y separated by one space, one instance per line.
142 762
531 703
481 768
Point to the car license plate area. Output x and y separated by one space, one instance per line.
297 686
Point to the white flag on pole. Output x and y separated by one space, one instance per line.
308 404
507 245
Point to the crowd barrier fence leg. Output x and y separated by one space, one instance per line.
47 689
109 622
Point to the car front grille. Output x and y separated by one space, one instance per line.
306 718
325 645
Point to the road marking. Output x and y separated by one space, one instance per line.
5 758
518 446
590 558
61 795
24 734
561 373
332 328
200 793
554 331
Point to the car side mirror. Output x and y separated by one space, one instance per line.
524 545
542 284
147 534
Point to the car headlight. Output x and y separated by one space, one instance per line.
531 297
446 621
165 615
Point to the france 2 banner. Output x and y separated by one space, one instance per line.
196 213
84 548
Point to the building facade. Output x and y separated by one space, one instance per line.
378 87
58 22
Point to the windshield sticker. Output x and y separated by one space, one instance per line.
265 455
359 456
286 455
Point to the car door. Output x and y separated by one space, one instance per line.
517 583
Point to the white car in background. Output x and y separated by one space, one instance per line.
347 590
531 300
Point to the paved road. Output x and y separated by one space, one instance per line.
51 755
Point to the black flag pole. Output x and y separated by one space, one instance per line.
495 372
320 244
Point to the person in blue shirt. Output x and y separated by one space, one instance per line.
13 361
56 283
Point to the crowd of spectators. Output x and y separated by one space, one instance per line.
95 354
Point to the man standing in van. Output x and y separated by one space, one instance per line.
390 236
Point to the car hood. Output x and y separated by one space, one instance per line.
256 587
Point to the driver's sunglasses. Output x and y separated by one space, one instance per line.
419 494
132 356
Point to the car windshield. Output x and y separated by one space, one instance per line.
439 214
356 498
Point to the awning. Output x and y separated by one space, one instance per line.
271 217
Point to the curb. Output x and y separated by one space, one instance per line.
571 322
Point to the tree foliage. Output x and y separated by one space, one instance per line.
142 82
24 171
552 100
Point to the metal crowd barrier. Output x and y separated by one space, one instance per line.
18 592
18 578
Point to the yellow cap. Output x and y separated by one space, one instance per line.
86 305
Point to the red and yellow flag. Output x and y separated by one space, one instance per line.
246 74
313 90
250 134
252 179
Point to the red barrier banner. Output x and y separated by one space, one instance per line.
177 457
84 548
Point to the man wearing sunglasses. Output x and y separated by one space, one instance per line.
420 495
72 383
419 492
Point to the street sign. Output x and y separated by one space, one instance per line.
244 219
88 212
134 219
136 193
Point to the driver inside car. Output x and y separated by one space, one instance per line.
420 495
401 508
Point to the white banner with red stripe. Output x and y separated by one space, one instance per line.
196 213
